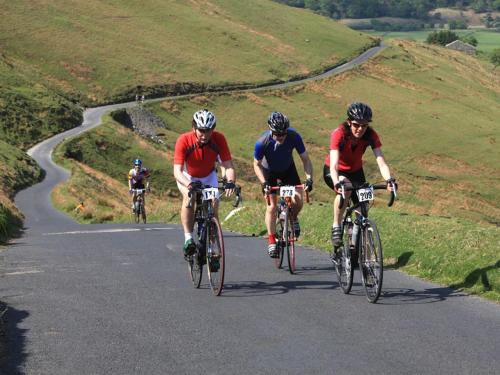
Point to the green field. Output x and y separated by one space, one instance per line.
487 40
99 51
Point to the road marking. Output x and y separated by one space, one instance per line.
232 213
22 272
118 230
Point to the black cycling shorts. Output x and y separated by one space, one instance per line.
288 177
138 185
357 178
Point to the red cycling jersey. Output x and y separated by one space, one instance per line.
200 159
351 156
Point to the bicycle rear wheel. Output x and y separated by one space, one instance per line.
280 230
196 261
215 256
290 243
371 261
343 265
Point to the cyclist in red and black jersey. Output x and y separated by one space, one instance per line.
195 157
344 163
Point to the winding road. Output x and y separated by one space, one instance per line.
115 299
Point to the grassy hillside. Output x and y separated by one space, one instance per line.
29 111
437 116
98 50
18 171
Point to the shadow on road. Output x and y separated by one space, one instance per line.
260 288
412 296
12 340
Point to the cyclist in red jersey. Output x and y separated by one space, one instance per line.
195 157
344 163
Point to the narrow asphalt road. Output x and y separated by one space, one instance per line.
116 299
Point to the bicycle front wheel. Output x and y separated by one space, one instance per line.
137 212
343 264
280 230
215 256
290 243
196 261
143 212
371 261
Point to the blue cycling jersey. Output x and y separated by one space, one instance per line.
278 157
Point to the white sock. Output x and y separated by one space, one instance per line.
187 236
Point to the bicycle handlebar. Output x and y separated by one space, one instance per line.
274 188
393 196
237 201
139 191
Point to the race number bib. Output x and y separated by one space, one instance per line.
287 191
210 193
365 194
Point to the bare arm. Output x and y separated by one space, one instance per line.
334 161
228 169
308 168
258 169
179 176
382 165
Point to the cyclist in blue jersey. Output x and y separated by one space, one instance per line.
273 161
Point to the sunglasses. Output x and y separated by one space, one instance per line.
356 125
204 131
278 134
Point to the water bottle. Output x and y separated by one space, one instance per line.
355 232
349 229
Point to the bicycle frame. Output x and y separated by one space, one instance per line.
208 237
140 209
286 239
367 248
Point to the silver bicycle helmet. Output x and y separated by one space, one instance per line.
204 119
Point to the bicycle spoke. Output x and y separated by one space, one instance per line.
343 265
290 243
372 268
278 262
215 257
195 261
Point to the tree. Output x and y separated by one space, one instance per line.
470 39
442 37
495 57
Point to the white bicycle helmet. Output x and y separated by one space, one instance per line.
204 119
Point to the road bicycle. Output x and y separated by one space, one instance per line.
208 237
361 244
139 207
285 236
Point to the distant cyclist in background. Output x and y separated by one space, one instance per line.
273 161
195 157
138 178
344 163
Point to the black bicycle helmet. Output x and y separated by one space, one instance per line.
278 122
204 119
359 112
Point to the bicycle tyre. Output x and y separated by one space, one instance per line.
215 251
344 267
290 243
278 262
137 212
195 261
371 261
143 212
